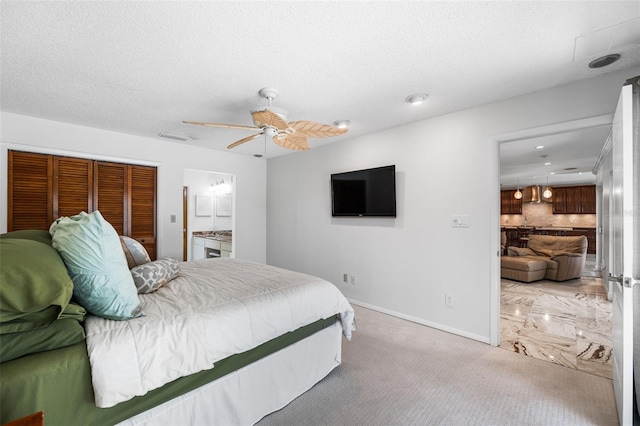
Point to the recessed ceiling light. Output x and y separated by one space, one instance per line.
547 163
342 124
603 61
416 99
552 173
539 146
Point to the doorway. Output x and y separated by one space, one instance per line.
530 317
208 209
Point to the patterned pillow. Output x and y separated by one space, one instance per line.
134 252
153 275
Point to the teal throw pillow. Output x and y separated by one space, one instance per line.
91 250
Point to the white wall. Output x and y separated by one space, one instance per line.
445 166
32 134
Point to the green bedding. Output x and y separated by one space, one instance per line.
35 285
61 333
59 383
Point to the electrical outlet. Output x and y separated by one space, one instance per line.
448 299
345 278
353 279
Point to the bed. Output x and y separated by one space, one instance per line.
224 341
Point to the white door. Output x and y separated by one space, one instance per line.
623 267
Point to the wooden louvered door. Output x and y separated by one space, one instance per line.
44 187
142 206
30 192
72 186
110 188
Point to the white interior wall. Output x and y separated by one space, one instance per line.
445 166
37 135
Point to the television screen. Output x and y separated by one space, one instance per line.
370 192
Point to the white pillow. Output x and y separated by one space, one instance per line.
135 252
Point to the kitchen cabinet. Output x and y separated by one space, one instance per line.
590 233
574 200
508 203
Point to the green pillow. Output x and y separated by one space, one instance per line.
61 333
91 250
33 282
30 234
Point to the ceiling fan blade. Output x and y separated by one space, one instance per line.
229 126
297 142
267 118
316 130
243 140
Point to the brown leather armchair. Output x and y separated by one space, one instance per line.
564 256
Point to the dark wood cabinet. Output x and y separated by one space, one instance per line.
588 196
574 200
590 233
44 187
508 203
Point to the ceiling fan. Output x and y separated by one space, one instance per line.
292 135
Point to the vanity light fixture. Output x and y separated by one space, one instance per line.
341 124
547 191
416 99
518 194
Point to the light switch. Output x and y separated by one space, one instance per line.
172 218
460 221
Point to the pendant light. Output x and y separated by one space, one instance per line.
518 195
547 191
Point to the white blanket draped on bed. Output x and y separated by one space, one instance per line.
215 308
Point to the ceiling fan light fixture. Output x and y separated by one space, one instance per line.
417 98
341 124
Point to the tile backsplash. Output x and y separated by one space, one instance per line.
542 215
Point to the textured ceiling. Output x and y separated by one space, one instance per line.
142 67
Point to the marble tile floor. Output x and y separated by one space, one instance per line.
565 323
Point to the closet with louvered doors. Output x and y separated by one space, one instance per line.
44 187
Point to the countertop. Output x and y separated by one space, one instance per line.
547 228
224 236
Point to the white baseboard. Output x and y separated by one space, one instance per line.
421 321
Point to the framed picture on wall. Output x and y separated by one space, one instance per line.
223 205
204 205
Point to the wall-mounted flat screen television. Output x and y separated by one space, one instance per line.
370 192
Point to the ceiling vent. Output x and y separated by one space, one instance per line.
174 137
604 61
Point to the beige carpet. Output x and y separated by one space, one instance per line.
396 372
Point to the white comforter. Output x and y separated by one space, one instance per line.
213 309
